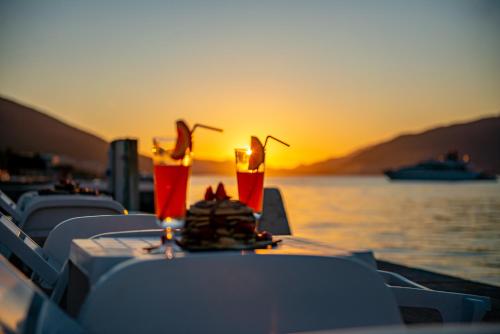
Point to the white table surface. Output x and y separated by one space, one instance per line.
96 256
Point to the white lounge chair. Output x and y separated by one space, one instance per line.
47 265
230 293
58 243
37 214
44 212
9 206
14 241
453 307
25 309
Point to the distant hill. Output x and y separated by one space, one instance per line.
480 139
23 129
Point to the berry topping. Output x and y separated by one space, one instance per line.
220 193
209 194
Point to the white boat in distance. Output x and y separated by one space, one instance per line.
451 168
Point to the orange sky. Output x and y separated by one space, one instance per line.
328 77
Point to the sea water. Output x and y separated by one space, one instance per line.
448 227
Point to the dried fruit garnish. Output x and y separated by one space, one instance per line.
183 141
258 154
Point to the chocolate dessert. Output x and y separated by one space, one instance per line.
219 222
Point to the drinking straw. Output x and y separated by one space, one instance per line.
278 140
205 127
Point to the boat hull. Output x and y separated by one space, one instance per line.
438 175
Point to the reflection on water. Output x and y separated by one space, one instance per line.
452 228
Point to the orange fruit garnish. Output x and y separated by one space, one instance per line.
258 154
183 141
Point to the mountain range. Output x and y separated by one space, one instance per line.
480 139
24 129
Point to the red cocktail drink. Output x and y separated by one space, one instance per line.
250 167
250 177
250 189
170 190
172 166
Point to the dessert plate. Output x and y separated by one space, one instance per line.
221 247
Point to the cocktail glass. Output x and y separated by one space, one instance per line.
250 181
250 168
172 161
171 178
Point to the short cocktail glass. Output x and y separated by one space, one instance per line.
171 179
250 182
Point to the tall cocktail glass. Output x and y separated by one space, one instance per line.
171 178
250 181
250 168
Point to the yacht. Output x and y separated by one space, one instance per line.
451 168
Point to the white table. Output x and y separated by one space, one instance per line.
96 256
91 258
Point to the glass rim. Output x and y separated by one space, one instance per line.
163 139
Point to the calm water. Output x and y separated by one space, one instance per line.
452 228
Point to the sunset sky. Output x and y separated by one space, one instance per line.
326 76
